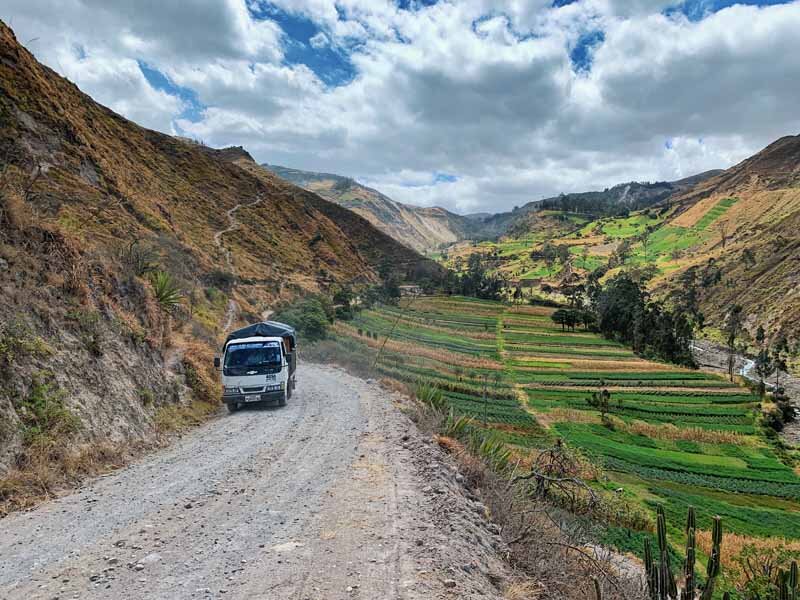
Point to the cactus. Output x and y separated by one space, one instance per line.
787 583
660 579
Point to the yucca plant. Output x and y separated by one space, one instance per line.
456 426
661 582
166 290
430 395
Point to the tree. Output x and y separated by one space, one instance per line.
623 251
723 227
549 255
764 368
732 328
559 317
600 400
562 252
645 237
780 352
749 257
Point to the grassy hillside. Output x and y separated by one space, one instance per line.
732 236
673 436
125 253
423 229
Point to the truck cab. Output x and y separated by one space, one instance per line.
258 365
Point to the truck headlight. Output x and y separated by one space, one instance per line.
230 391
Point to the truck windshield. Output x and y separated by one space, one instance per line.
252 358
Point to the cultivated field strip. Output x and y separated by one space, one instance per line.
520 376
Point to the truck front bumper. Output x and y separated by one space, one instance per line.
276 396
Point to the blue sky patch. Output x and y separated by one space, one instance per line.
193 106
414 4
697 10
444 178
331 64
581 54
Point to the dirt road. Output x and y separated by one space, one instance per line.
335 496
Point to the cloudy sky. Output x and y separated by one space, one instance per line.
474 105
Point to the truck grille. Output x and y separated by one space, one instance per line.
250 390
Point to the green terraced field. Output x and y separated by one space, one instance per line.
715 213
703 445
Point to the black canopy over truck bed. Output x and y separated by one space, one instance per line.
271 329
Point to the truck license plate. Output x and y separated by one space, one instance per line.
252 398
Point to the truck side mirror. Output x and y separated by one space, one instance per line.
216 362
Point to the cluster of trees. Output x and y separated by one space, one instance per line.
550 253
606 203
625 312
570 318
476 281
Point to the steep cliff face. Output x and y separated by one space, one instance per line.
92 207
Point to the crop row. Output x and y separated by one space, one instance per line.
670 460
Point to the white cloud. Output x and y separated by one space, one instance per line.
320 40
482 90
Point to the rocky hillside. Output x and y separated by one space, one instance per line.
125 253
753 255
423 229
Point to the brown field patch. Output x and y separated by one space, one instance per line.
538 311
733 546
638 388
670 432
437 354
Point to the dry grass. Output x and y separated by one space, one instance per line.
539 311
670 432
50 471
524 590
175 417
734 546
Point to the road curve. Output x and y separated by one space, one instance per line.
325 498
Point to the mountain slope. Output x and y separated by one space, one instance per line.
752 212
90 205
423 229
624 196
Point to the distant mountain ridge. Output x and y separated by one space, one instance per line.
632 196
420 228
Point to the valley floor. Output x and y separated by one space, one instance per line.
335 496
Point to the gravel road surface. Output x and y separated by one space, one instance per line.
335 496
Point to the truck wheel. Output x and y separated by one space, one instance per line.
232 406
284 398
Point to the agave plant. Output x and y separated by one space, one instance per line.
166 290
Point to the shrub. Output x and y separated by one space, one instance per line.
308 317
139 259
17 340
223 280
43 414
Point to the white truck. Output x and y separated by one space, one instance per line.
258 364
